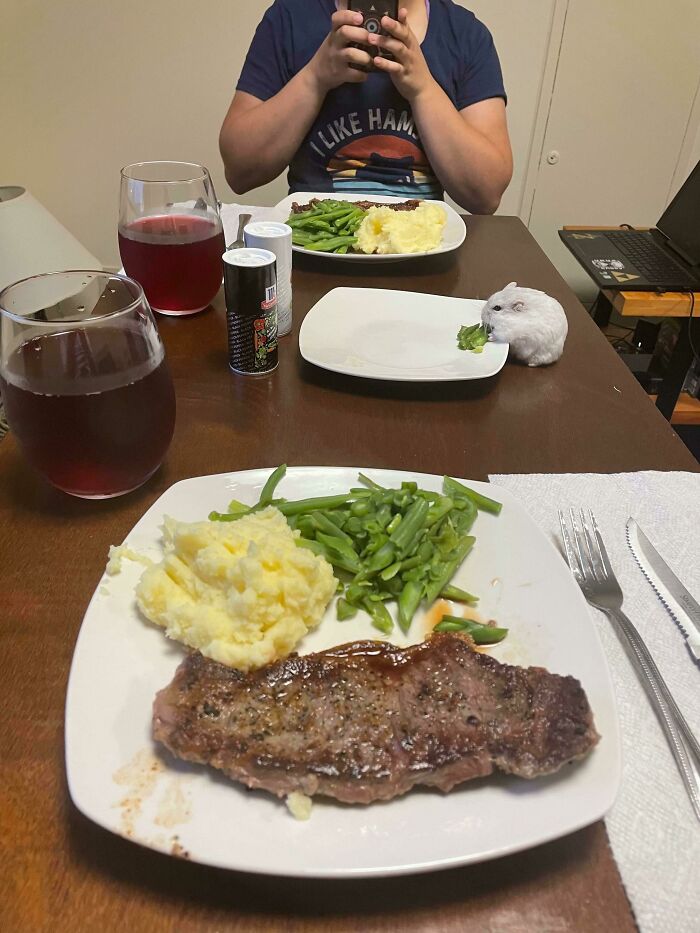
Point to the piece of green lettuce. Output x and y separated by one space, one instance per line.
473 338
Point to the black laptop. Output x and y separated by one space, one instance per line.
664 259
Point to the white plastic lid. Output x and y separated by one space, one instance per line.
249 257
268 228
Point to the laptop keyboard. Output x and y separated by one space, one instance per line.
651 261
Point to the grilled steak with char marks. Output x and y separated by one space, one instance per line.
363 205
368 721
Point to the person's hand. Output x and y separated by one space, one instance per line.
409 71
332 65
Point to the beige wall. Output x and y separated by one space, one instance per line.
87 86
90 85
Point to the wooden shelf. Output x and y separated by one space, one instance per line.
651 304
687 410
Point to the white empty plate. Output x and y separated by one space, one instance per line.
377 333
119 779
454 233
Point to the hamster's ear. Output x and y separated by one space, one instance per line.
518 305
512 285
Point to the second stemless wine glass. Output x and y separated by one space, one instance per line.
86 387
171 239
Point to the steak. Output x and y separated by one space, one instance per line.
363 205
369 721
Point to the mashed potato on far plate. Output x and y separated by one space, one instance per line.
241 592
386 231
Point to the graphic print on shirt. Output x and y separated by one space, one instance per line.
376 150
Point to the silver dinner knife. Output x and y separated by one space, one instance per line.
682 607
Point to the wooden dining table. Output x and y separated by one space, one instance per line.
586 413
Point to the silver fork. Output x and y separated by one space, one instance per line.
590 565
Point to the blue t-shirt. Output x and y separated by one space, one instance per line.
364 139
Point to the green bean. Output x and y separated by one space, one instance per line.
355 593
311 544
227 516
236 507
439 510
353 526
379 614
394 523
324 524
328 246
319 225
391 571
338 516
360 509
272 483
413 522
464 515
370 482
483 503
448 570
423 556
458 596
403 544
305 525
340 553
409 600
481 634
309 505
345 611
382 558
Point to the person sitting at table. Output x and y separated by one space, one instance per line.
431 120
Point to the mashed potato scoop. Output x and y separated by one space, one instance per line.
386 231
243 593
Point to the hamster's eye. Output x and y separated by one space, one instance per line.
497 308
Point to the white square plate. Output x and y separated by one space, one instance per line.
118 779
454 233
378 333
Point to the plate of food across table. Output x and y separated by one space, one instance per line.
370 228
369 672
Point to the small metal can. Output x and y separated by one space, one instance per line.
250 283
278 239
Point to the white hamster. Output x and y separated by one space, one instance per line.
533 323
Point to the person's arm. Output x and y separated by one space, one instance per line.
258 138
469 150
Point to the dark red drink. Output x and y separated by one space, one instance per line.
93 410
176 258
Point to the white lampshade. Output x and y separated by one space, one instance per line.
32 241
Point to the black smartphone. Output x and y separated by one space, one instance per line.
372 13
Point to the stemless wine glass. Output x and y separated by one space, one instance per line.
170 235
86 387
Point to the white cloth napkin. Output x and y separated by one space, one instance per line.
653 831
231 212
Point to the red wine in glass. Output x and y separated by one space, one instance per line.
90 401
176 258
171 238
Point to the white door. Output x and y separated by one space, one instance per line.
627 75
522 34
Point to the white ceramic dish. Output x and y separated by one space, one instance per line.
454 234
118 779
377 333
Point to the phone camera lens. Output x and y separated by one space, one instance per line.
372 25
